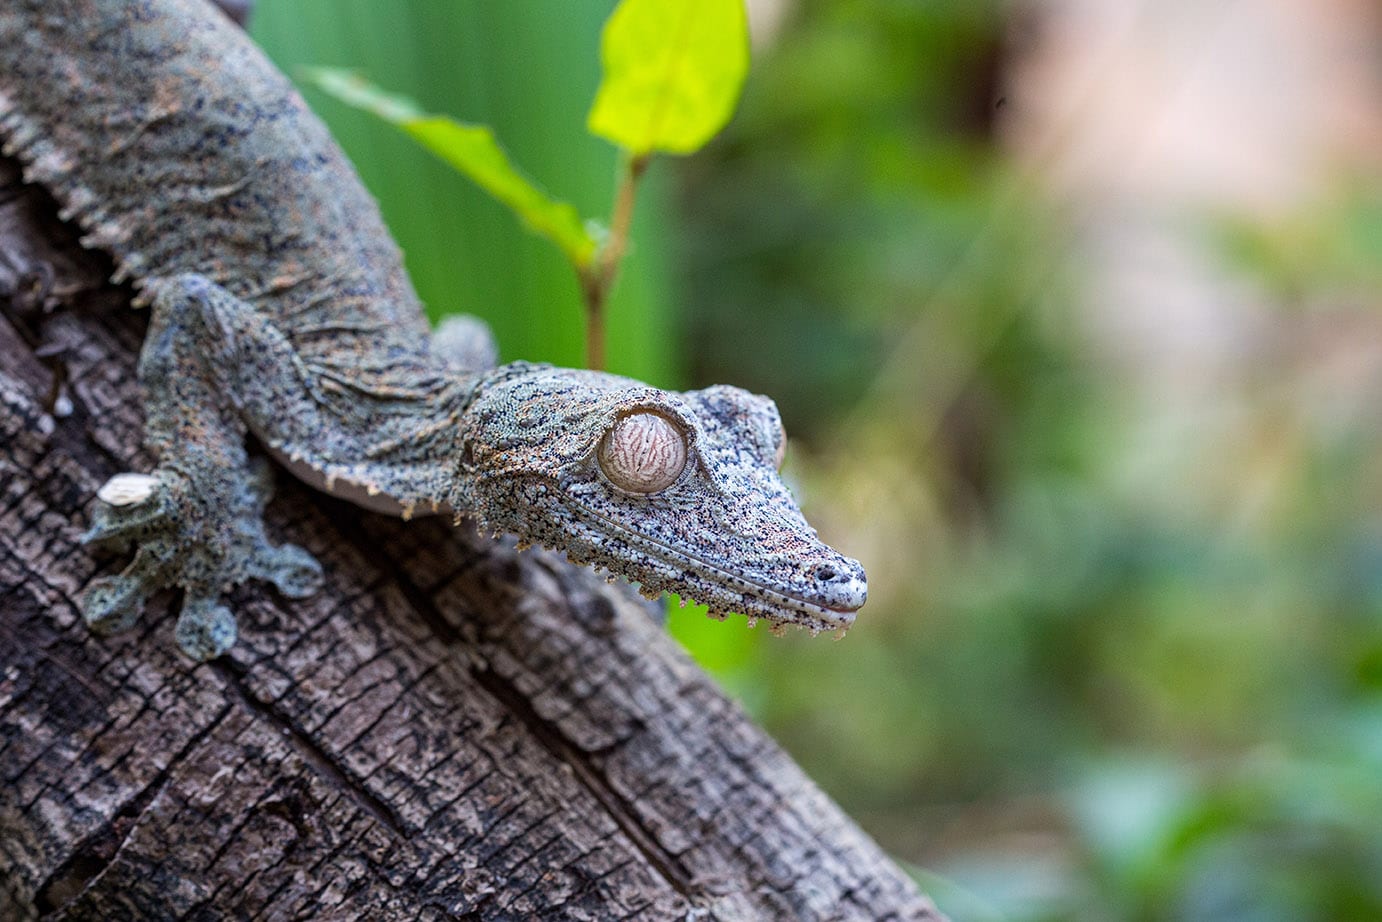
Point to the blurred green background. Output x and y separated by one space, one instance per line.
1096 404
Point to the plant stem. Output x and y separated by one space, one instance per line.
597 280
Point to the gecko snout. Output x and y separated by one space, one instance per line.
842 586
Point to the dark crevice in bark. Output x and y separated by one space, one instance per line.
94 854
312 753
591 777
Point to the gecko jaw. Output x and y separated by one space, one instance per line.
724 591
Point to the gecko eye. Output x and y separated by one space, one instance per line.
643 453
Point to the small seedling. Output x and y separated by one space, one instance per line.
673 72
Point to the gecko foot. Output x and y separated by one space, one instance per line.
202 541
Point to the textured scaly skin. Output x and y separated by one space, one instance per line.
280 307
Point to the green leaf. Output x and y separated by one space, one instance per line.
673 72
472 150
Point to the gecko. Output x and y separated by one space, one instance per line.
279 309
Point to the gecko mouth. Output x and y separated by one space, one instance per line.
736 593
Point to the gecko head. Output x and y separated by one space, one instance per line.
676 491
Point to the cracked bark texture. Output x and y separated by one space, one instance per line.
449 730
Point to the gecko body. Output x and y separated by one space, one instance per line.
279 307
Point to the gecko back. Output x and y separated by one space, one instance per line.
178 148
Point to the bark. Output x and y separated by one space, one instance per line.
449 730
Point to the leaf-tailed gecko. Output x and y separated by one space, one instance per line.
279 307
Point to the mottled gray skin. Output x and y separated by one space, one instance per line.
280 307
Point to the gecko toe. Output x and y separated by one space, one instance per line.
113 603
132 507
118 525
260 482
205 629
292 570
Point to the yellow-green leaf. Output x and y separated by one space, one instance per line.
472 150
673 70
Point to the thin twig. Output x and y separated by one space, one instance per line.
597 280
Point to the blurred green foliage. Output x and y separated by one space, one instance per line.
1110 668
1332 244
1097 678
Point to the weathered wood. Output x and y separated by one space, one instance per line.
451 729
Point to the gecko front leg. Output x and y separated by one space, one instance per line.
196 522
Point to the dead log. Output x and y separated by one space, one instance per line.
449 730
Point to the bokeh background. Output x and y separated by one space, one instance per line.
1073 309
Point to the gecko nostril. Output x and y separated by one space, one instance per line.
825 574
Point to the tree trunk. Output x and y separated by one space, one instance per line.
449 729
